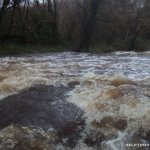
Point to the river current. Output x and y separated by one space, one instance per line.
113 91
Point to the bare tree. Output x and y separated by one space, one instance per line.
52 12
88 25
3 9
135 23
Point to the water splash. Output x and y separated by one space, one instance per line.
114 92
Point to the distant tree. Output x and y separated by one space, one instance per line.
89 24
121 24
135 22
3 9
53 17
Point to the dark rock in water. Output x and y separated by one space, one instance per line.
73 84
43 106
96 141
109 121
142 134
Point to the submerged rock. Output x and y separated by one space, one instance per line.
108 122
43 107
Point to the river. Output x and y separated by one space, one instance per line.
75 101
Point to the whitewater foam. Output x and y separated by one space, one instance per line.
114 91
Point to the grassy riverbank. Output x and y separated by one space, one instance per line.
15 49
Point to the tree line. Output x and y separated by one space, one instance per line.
80 24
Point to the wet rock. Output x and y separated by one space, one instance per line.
109 122
44 107
73 84
94 138
142 134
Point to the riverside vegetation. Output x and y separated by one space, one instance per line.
74 25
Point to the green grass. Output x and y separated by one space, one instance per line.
103 48
140 45
14 49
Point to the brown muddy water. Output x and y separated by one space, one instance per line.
75 101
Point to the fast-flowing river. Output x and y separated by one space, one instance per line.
75 101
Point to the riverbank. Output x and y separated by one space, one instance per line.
15 49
